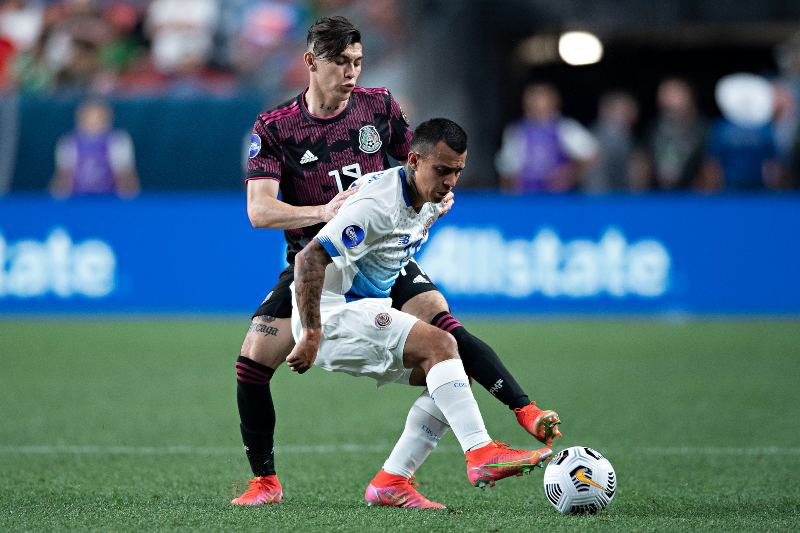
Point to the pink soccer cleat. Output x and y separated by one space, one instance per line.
497 460
262 489
541 424
393 490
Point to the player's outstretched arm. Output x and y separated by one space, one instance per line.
309 276
266 211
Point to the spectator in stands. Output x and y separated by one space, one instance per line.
182 33
260 42
544 151
21 22
8 115
32 72
20 26
785 121
77 33
787 55
618 157
676 141
741 153
94 158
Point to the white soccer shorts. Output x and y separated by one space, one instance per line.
362 338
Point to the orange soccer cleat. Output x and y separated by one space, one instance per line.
393 490
497 460
262 489
541 424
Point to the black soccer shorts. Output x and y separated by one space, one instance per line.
278 302
411 282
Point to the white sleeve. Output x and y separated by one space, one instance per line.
509 159
121 148
578 142
66 155
360 221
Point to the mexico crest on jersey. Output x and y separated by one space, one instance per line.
369 140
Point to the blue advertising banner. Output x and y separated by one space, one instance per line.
492 254
178 253
619 254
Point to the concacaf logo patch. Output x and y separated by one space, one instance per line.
255 145
383 320
369 140
352 236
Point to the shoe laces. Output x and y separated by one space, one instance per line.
413 483
500 444
254 487
525 410
261 482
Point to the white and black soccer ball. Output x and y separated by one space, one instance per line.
579 480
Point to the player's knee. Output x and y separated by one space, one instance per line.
443 346
252 372
425 306
270 360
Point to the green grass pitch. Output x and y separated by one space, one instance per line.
116 425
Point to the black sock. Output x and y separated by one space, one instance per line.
482 363
256 414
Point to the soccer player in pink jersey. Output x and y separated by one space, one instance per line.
310 150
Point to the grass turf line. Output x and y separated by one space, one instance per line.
646 394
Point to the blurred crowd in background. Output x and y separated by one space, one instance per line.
753 146
122 49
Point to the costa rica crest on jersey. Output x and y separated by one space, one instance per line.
383 320
428 224
369 140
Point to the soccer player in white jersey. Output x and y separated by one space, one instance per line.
308 151
343 320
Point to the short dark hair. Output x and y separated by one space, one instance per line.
434 130
329 36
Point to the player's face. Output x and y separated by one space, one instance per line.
337 76
438 172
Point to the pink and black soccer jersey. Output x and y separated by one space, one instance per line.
316 158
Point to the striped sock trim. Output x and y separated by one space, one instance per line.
248 371
446 322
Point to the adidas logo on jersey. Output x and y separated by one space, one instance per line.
308 157
420 279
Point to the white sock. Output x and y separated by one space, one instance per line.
425 425
449 388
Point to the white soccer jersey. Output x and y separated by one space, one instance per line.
372 237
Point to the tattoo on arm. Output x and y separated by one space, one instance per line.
309 276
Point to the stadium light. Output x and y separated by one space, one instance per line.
580 48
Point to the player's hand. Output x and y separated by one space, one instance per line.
331 208
447 203
304 352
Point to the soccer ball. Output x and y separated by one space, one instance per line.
579 480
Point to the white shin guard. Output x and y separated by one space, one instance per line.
449 387
425 426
